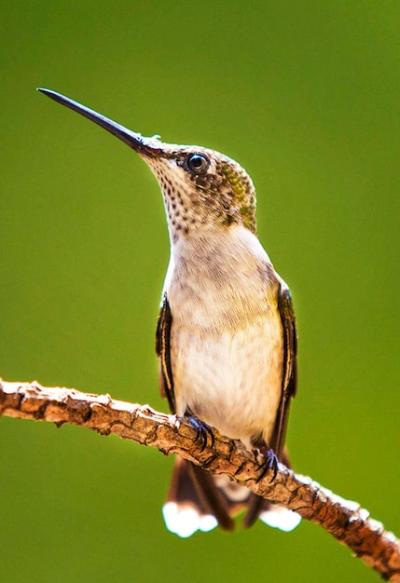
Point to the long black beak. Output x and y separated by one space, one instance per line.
139 143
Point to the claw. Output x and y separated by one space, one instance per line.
270 463
203 431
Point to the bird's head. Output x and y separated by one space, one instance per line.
202 188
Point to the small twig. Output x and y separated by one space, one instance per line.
344 519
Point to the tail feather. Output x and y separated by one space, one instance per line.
211 497
198 500
193 502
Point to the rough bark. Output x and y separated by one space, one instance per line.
345 520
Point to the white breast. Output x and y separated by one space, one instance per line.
226 339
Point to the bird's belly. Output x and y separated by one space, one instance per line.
231 380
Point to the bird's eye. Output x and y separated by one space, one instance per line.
197 163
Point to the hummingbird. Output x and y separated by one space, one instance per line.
226 333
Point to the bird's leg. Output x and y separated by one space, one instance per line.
268 459
270 463
203 430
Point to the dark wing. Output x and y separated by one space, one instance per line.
163 349
256 505
289 376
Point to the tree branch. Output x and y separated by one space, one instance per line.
344 519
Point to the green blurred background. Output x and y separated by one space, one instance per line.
306 96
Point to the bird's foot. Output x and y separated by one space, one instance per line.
203 431
269 463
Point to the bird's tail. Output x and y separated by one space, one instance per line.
197 500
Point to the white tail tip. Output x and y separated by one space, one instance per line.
280 517
185 520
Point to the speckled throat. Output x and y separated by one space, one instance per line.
221 196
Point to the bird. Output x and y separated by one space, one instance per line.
226 334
